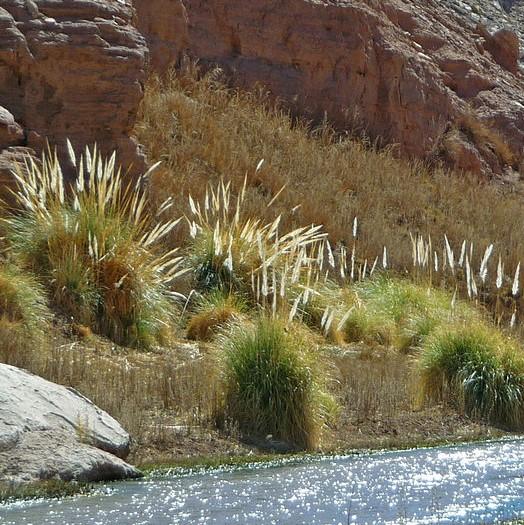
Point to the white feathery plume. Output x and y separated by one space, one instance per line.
342 322
331 258
450 255
374 266
329 321
516 285
462 254
468 277
500 274
294 308
259 165
484 264
413 249
325 316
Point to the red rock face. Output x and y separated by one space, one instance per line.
405 70
70 69
408 72
164 24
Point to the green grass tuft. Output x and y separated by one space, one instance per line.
478 368
272 385
397 312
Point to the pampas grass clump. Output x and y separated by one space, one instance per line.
96 247
23 312
237 253
479 369
213 311
272 384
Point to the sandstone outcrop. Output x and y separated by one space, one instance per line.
406 71
164 24
70 69
48 431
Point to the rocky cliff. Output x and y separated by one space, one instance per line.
436 77
439 78
70 68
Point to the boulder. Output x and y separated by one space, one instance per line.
48 431
11 133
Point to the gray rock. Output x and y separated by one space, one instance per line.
49 431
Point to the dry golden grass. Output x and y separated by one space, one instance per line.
155 396
486 138
204 132
213 312
371 383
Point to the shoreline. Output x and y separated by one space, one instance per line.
58 489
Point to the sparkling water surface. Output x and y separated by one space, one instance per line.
477 484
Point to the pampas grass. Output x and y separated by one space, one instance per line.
273 385
207 132
478 369
96 246
237 253
24 313
213 311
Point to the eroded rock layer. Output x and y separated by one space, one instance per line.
440 78
430 76
70 69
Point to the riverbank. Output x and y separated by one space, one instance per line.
418 485
56 489
159 398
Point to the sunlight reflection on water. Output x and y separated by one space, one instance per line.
470 484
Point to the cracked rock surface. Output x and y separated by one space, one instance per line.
71 69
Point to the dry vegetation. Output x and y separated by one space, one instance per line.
313 334
204 132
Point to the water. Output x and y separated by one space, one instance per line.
477 484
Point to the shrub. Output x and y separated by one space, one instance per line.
478 366
272 385
213 311
235 252
95 246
